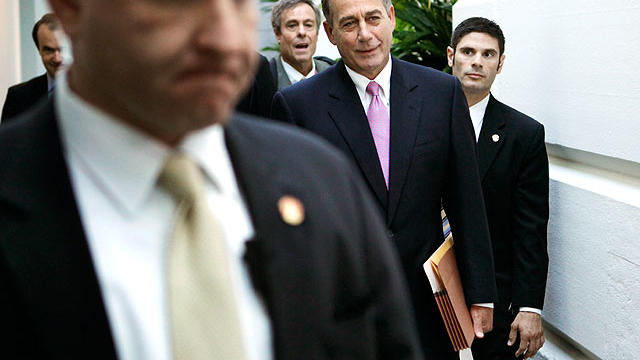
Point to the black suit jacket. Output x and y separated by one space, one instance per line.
257 100
332 286
23 96
432 157
515 183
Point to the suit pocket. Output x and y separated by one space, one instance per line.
424 148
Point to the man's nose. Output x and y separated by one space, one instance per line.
364 33
57 56
219 32
302 31
476 60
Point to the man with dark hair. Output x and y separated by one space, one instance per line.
140 219
515 180
295 24
47 36
407 128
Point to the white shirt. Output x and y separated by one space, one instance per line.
477 118
295 75
383 79
127 220
477 114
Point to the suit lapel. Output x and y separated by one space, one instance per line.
283 78
404 127
275 256
50 260
491 136
345 109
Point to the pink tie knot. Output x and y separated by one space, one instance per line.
373 88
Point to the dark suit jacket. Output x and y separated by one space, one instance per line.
257 100
280 75
515 181
432 157
332 285
22 96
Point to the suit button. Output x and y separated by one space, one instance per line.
390 234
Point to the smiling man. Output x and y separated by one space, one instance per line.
141 219
407 128
295 24
47 35
515 181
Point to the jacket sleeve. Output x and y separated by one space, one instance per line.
530 219
465 208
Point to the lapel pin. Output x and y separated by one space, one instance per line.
291 210
495 137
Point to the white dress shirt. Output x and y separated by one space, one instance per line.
295 75
127 219
477 118
477 114
383 79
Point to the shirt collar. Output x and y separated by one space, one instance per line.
477 114
124 161
51 82
383 79
294 75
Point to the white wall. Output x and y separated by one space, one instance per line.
10 42
571 64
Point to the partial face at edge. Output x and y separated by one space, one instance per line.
50 48
166 66
363 32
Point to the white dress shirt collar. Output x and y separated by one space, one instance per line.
127 161
294 75
477 114
383 79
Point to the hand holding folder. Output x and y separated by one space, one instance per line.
442 271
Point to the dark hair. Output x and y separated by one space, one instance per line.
481 25
282 5
48 19
326 9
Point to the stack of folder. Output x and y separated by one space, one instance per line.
442 271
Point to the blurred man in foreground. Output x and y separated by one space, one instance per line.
150 223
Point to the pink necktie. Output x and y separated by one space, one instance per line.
379 124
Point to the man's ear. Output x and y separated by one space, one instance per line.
277 35
450 54
68 11
329 30
500 64
392 16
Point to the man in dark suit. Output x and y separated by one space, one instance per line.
257 100
515 181
425 154
47 36
295 24
98 219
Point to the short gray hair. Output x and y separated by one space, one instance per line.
326 9
282 5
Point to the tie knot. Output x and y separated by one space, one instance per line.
181 177
373 88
